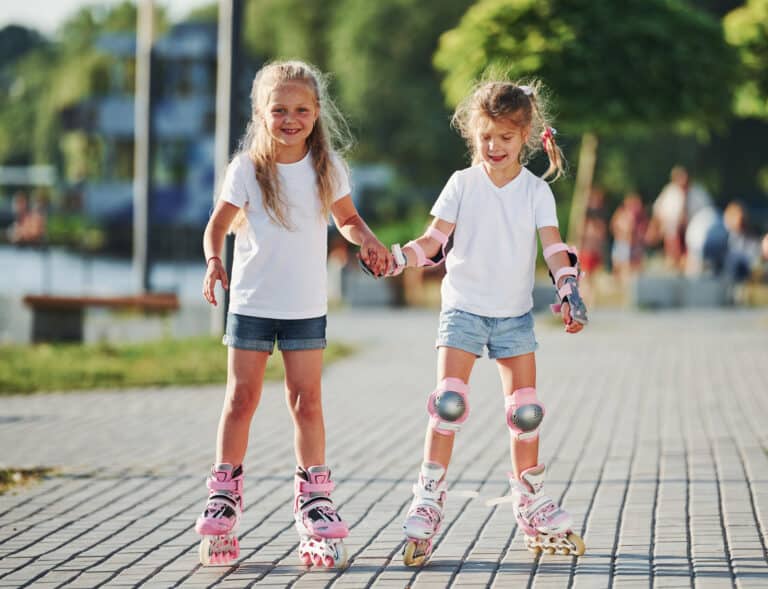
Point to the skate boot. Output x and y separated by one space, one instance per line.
546 525
321 529
218 523
425 514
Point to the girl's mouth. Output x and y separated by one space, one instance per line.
496 158
290 131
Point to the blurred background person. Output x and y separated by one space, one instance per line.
629 225
592 247
29 223
668 219
744 248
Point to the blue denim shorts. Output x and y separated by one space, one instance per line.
258 333
505 337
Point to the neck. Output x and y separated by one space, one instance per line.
290 154
503 176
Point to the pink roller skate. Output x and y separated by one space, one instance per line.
218 523
425 514
547 526
321 529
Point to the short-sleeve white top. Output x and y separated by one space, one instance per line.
280 273
490 269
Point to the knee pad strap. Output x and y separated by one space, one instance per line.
524 413
448 406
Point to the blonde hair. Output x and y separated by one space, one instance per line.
329 135
524 105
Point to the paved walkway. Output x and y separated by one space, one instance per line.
655 439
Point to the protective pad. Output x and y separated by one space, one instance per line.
448 406
524 413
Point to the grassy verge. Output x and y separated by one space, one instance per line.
13 477
62 367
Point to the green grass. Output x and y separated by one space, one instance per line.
63 367
13 477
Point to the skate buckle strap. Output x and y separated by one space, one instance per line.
232 485
307 487
422 493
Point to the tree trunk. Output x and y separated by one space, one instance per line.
584 176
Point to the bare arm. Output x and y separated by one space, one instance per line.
355 230
213 244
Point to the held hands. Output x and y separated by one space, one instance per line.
375 258
215 271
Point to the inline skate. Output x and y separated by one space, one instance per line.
219 521
546 525
321 529
425 515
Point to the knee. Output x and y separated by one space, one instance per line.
304 402
448 406
524 413
242 400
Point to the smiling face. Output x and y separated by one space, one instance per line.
290 117
498 142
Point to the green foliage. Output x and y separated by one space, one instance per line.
62 367
746 28
289 29
381 55
613 66
16 41
74 231
15 477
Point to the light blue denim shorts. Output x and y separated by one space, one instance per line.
259 333
504 337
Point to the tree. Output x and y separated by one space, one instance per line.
746 28
381 55
614 67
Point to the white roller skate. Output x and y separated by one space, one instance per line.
425 515
321 529
546 525
218 523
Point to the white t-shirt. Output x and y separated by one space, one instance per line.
490 269
280 273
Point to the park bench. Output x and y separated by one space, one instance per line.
61 318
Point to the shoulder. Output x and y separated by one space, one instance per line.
535 185
240 164
465 177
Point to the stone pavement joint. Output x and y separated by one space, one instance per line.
654 440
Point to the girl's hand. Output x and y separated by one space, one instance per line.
214 272
376 256
571 326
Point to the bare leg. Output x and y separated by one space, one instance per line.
245 377
303 373
516 373
451 363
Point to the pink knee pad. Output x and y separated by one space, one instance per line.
448 406
524 413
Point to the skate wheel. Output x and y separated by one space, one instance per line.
550 549
578 544
204 551
317 560
306 558
328 562
412 555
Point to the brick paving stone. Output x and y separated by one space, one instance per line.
654 440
